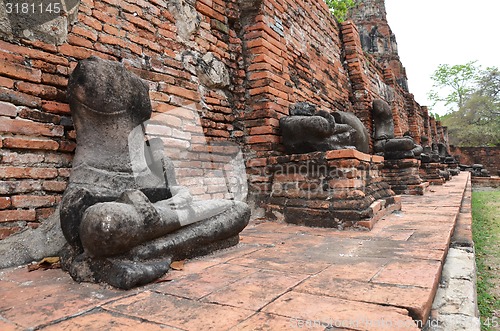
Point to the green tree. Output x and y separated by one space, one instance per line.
477 122
340 8
453 84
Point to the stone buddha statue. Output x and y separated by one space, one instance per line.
123 214
385 142
309 130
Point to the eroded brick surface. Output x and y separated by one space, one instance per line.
286 276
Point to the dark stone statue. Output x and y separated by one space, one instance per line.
308 130
385 143
123 214
429 155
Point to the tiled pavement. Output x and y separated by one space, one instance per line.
280 277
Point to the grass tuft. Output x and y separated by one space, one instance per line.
486 235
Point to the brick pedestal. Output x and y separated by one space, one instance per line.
404 177
335 189
432 173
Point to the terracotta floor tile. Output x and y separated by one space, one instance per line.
103 320
340 313
198 285
423 273
270 322
22 275
353 268
282 259
421 253
274 227
416 299
5 326
255 291
230 253
32 304
179 312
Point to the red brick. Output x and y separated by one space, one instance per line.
42 91
114 31
84 32
74 51
4 233
263 130
11 57
56 107
22 159
20 72
6 82
33 201
34 53
206 10
28 173
111 40
30 128
5 202
139 22
54 186
55 80
182 92
19 98
44 213
64 172
90 22
39 116
67 146
19 186
30 143
262 139
79 41
17 215
8 109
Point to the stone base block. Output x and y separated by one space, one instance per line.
433 173
335 189
404 177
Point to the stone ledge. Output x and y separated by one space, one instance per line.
336 189
404 176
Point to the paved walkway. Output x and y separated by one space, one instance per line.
280 277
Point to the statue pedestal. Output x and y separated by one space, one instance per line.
335 189
433 173
404 177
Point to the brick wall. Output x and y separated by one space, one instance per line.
221 74
489 157
290 57
161 41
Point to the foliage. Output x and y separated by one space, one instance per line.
476 93
436 116
459 78
340 8
486 233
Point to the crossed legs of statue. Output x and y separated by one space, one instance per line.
116 235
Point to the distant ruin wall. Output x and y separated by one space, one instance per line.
489 157
221 74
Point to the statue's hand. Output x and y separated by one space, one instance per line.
181 198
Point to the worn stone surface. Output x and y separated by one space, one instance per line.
125 218
272 65
336 189
48 22
386 143
455 304
33 244
212 72
309 130
279 277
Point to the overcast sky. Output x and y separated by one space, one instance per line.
433 32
